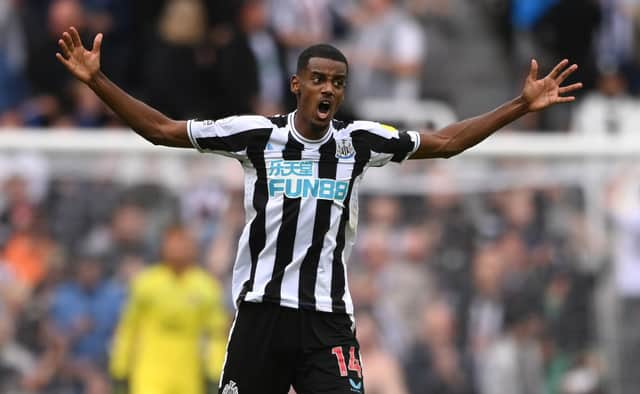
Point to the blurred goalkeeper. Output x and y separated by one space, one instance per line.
173 307
294 324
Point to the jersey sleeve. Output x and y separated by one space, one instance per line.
229 136
388 144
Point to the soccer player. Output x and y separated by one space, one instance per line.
172 307
302 172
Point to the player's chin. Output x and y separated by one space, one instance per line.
321 125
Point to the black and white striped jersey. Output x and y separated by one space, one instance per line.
300 201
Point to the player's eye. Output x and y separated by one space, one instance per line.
339 83
316 79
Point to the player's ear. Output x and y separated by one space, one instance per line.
294 85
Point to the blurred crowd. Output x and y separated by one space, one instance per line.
209 58
461 293
484 292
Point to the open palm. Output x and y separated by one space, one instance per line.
542 93
83 64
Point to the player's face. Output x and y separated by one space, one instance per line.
320 90
179 249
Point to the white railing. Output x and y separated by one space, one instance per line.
502 144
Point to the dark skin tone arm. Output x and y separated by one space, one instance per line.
144 120
152 125
537 95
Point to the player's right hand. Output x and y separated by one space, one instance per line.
83 64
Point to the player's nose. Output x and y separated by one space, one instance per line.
327 89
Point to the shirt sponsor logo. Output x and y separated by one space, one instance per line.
294 179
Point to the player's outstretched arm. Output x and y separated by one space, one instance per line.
537 95
144 120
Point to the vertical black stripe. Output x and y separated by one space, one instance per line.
363 154
288 226
327 169
257 233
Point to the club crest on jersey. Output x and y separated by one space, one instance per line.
230 388
344 149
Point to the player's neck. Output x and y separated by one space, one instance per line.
307 129
178 269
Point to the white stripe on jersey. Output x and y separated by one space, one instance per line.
264 269
291 279
289 205
325 267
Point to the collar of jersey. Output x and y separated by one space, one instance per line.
296 134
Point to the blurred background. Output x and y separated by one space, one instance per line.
513 269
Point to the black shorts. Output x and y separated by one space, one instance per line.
272 348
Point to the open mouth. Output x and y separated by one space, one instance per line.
324 109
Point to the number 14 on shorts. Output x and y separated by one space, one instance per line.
354 363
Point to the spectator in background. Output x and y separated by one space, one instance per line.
384 281
632 9
13 87
483 311
524 17
575 41
624 212
450 219
435 365
222 250
157 347
615 40
520 273
112 17
386 51
49 83
583 378
408 285
75 207
87 109
299 24
83 314
384 375
252 66
178 67
16 362
513 364
29 250
541 29
608 111
383 211
123 238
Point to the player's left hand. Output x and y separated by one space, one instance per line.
542 93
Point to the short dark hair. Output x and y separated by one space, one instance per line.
324 51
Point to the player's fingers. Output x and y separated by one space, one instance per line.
556 70
97 43
63 47
62 60
570 88
75 36
68 40
566 73
533 71
567 99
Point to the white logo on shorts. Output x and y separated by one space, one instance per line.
230 388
